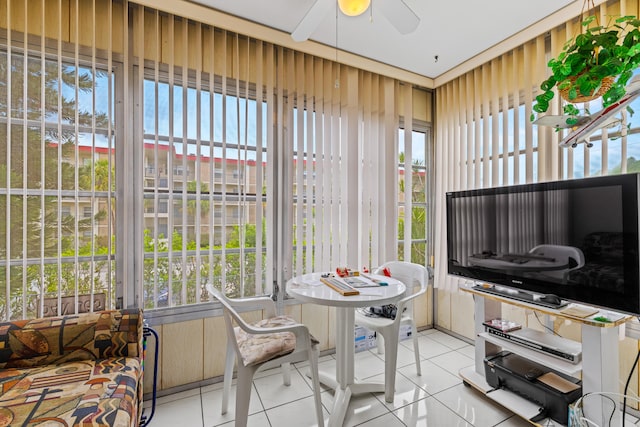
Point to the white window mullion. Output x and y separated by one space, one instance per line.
170 158
185 151
352 197
282 241
110 156
212 181
286 157
223 162
135 289
156 158
364 141
408 171
309 164
261 286
198 161
319 159
301 186
376 174
270 171
327 162
241 162
25 163
336 183
76 153
93 202
8 177
236 205
59 153
43 145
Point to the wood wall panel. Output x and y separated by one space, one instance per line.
149 362
215 347
316 317
182 353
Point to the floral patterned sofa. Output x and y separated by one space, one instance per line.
73 370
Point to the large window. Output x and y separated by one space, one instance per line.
204 157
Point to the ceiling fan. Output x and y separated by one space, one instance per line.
396 11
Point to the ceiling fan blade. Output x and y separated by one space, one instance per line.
400 15
311 20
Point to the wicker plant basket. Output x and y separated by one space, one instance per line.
606 85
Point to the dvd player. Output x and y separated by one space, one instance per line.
552 345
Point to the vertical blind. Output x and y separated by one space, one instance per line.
340 154
485 137
56 161
148 154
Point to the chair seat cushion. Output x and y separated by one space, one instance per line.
259 348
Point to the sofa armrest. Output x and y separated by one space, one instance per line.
60 339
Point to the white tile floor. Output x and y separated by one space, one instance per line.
437 398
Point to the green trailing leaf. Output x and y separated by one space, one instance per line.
571 109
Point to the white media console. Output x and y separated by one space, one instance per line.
599 368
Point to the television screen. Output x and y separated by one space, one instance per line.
577 239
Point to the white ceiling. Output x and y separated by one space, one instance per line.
452 30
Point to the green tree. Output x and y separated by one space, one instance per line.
418 213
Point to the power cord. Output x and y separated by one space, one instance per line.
545 326
613 410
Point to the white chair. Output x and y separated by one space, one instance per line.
271 342
388 330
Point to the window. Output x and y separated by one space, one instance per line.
417 225
210 234
57 124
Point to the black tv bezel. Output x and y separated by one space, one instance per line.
627 302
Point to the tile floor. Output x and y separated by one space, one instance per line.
437 398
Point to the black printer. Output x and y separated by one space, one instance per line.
552 390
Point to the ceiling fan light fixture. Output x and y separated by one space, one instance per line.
353 7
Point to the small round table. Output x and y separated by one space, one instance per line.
308 288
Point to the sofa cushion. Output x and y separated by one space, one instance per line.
260 348
93 393
56 340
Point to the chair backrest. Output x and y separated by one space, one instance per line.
230 315
412 275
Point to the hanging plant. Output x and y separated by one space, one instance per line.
597 62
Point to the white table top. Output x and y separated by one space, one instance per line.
309 288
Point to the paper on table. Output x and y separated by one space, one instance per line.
360 282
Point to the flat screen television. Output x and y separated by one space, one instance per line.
577 239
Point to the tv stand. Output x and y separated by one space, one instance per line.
599 350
